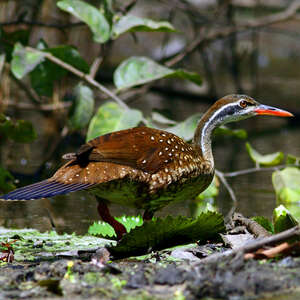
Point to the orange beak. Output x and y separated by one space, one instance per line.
272 111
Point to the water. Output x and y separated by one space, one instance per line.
76 211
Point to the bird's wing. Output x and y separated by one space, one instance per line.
143 148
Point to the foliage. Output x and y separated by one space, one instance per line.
111 117
140 70
272 159
82 108
282 220
31 245
105 230
168 232
286 183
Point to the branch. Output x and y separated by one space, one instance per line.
81 75
41 107
226 184
51 25
253 170
252 246
288 13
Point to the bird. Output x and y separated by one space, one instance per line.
144 167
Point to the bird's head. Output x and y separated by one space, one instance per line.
233 108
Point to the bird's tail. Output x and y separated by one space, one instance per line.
44 189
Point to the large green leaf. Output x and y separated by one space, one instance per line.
287 184
272 159
283 219
138 70
24 61
89 15
186 129
239 133
168 232
82 108
131 23
111 117
44 75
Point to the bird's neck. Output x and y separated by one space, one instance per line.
203 134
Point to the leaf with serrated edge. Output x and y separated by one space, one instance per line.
111 117
104 229
131 23
139 70
168 232
89 15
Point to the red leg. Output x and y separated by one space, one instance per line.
107 217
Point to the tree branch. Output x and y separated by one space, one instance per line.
35 23
288 13
252 246
81 75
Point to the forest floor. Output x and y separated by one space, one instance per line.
47 265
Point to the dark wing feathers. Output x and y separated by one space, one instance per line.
43 189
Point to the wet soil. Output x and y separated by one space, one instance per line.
169 274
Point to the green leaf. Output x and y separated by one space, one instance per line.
82 108
6 181
131 23
239 133
283 219
212 191
24 61
23 132
292 160
43 76
20 131
272 159
138 70
287 184
186 129
264 222
105 230
111 117
89 15
168 232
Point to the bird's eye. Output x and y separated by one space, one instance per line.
243 103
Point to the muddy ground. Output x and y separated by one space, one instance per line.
47 266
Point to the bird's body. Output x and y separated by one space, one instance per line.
144 167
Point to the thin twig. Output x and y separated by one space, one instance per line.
257 169
288 13
81 75
51 25
252 246
41 107
226 184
